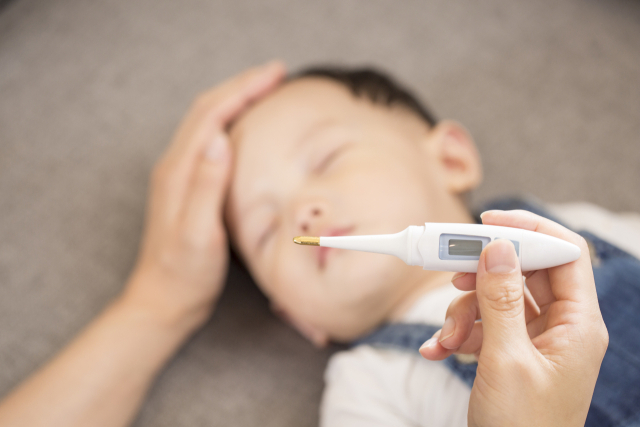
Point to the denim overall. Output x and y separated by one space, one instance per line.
616 398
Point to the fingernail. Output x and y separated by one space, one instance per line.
457 276
500 257
431 342
218 148
448 328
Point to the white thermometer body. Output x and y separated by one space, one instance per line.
457 247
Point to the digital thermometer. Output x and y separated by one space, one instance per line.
455 247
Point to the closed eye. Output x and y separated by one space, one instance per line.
328 159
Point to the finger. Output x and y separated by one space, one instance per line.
464 281
203 207
207 118
460 318
433 349
458 326
500 293
572 281
537 325
465 311
473 343
540 288
531 309
212 110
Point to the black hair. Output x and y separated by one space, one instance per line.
373 84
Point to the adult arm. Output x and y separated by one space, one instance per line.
101 377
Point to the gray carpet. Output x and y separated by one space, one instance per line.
90 93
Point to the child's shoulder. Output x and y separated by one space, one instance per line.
619 228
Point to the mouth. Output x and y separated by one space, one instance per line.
322 252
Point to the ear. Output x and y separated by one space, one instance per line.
317 336
456 152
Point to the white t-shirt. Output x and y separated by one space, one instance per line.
367 386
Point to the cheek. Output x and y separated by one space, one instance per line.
361 279
387 197
354 284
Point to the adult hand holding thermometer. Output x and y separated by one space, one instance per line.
455 247
534 366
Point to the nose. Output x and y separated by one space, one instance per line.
308 217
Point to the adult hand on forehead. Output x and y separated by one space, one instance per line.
183 256
101 377
539 349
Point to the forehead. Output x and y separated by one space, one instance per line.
290 109
270 132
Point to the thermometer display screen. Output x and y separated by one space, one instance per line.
461 247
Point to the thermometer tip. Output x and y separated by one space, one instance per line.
305 240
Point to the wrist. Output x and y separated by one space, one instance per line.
146 295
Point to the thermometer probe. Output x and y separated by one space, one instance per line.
455 247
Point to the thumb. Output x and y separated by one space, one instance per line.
500 292
203 207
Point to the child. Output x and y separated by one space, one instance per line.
339 152
333 153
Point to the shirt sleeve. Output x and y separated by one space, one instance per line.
366 386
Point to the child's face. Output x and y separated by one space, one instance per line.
312 159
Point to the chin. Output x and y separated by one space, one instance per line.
367 289
371 273
348 332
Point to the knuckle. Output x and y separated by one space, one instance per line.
505 297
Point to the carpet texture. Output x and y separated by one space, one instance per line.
90 93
